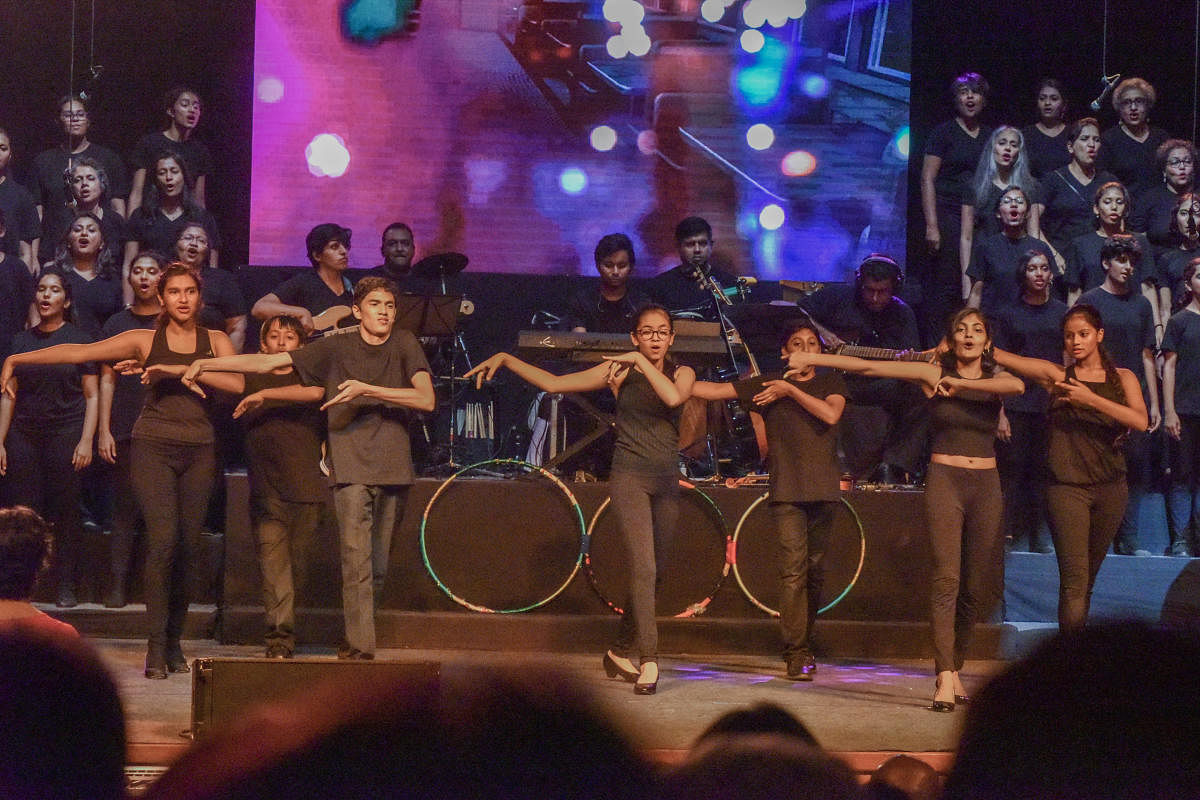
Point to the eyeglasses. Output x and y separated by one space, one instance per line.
1134 102
648 334
74 115
194 237
1179 162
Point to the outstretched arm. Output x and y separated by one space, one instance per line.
248 362
674 390
1036 369
130 344
294 393
915 372
708 390
1132 415
588 380
420 396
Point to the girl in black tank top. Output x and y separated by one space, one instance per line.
1094 404
644 483
963 504
172 451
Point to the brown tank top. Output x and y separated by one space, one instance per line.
172 412
1083 445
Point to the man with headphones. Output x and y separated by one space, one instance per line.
885 421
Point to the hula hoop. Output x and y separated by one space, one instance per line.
693 609
862 555
583 536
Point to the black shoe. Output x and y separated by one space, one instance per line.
646 687
942 706
347 653
1180 549
176 661
614 669
801 666
278 651
156 665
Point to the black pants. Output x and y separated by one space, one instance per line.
172 482
647 508
1022 464
964 512
942 292
125 516
1183 501
803 534
40 475
1083 521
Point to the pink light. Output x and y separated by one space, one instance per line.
798 164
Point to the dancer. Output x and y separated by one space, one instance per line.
1094 405
46 433
644 485
172 451
962 490
801 416
370 378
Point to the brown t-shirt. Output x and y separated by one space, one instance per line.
368 439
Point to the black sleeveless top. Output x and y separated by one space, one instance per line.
964 425
647 430
172 412
1083 445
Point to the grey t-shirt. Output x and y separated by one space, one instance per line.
368 439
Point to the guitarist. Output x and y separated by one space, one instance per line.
885 419
306 295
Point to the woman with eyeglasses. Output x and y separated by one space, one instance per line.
650 390
1154 208
1127 150
224 307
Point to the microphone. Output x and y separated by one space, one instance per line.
1109 82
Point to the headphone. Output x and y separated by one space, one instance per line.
897 274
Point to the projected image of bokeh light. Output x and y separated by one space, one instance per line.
519 136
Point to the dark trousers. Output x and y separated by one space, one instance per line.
1139 466
1183 500
941 289
172 482
1083 521
1022 464
367 516
647 508
964 512
278 525
40 475
899 440
125 517
803 534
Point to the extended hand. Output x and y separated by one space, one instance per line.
772 391
156 372
250 402
189 376
948 386
1074 392
1155 420
347 391
130 366
799 359
1003 428
82 455
486 370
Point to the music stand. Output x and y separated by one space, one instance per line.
428 315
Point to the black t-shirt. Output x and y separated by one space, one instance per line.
1131 161
589 310
283 444
994 261
1046 153
1084 270
16 293
1034 331
307 290
196 156
49 396
676 290
368 439
1183 339
94 301
959 152
1170 266
57 221
222 298
838 309
1151 215
802 450
128 392
20 216
50 167
1128 327
1068 206
156 231
986 221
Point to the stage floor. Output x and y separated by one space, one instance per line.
863 710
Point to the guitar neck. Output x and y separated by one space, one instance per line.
883 353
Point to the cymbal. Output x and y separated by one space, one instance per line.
440 265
